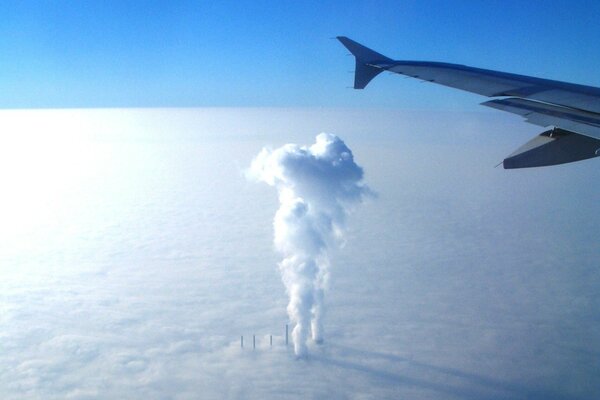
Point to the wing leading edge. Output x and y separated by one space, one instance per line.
571 110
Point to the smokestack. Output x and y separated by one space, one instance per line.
271 340
242 342
317 185
286 334
253 342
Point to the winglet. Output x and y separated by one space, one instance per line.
365 61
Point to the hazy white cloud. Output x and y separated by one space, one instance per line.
460 281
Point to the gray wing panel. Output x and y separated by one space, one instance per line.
553 147
495 83
542 114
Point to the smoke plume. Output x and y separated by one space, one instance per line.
316 187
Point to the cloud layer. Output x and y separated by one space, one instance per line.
460 281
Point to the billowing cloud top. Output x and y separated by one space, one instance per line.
324 172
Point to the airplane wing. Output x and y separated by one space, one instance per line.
572 111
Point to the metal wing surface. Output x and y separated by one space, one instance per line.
570 107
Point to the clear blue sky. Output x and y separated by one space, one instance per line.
277 53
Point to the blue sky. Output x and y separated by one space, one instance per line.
259 53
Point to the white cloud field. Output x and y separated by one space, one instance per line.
134 253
